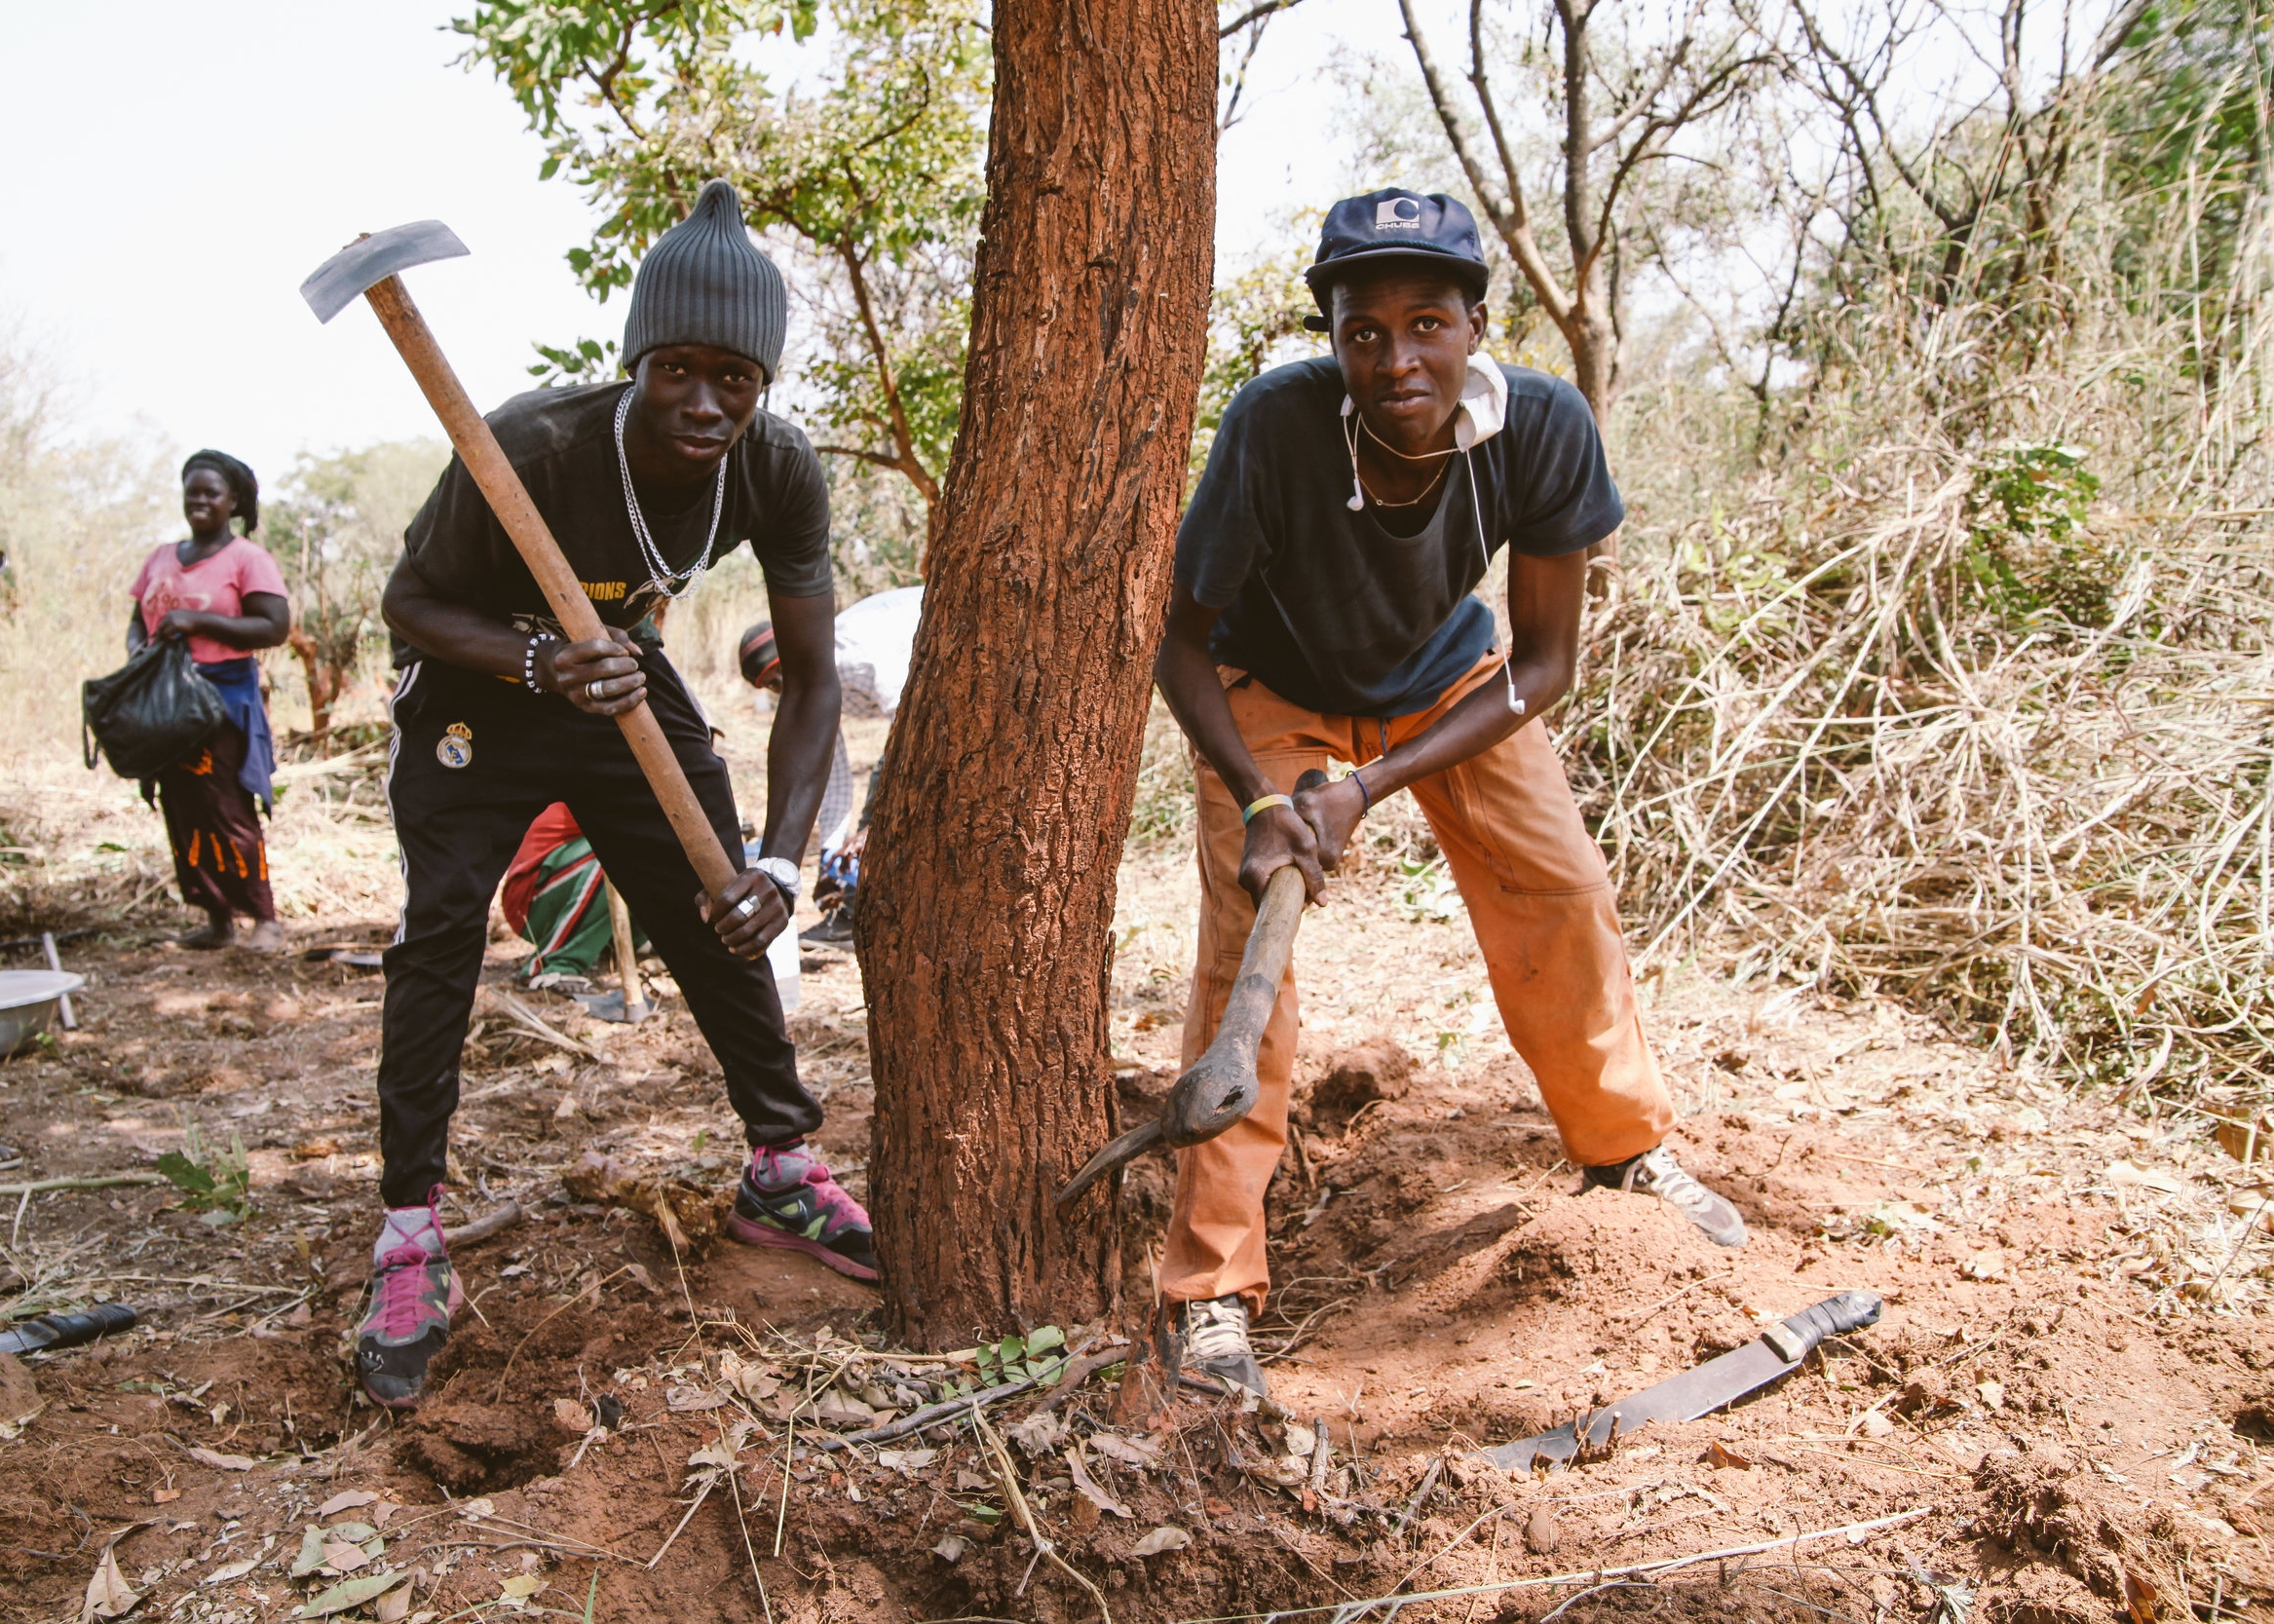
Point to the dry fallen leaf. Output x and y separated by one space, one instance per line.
234 1571
1720 1454
394 1605
2121 1172
1992 1394
165 1496
521 1585
572 1417
108 1595
343 1557
351 1593
1129 1452
221 1462
1167 1537
1875 1425
346 1499
1087 1486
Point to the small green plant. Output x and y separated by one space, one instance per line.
2029 551
1428 896
1018 1358
215 1184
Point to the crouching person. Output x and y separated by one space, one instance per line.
643 484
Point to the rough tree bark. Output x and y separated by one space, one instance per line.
986 911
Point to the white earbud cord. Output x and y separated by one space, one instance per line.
1476 505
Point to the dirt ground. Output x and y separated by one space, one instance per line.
2059 1416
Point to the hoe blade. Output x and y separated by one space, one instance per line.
340 280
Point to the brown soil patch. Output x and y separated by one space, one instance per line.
2070 1386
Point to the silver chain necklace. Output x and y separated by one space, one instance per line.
672 584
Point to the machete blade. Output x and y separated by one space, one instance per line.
1695 1392
1700 1391
339 280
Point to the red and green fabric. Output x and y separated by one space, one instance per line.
553 898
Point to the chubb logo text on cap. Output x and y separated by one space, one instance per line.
1397 213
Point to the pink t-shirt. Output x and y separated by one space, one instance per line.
217 587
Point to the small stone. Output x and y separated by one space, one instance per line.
1540 1533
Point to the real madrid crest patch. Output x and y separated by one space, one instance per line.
455 749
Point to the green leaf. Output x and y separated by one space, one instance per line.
186 1173
1045 1338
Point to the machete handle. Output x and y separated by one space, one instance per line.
60 1331
485 460
1794 1339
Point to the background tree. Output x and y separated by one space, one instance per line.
335 529
1623 103
872 179
986 917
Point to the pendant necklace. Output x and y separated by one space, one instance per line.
1427 491
672 584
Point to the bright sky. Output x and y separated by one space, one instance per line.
178 170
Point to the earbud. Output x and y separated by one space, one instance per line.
1357 502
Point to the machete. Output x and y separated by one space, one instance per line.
1700 1392
52 1333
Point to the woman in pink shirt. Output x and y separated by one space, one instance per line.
225 596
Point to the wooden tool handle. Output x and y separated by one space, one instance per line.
626 958
1221 1087
478 447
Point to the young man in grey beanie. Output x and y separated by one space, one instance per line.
496 717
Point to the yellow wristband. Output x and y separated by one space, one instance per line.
1262 803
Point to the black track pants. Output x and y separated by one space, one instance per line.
458 827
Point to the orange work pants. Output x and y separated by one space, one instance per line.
1538 896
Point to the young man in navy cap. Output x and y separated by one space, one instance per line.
496 717
1323 610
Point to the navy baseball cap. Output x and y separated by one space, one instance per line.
1396 224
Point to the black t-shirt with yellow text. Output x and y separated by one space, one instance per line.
561 442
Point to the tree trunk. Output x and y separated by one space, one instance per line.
986 909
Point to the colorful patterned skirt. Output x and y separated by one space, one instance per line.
221 862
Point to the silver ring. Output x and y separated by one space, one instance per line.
593 691
747 908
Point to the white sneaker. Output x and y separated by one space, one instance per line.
1658 1173
1214 1330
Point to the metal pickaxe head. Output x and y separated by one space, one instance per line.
346 274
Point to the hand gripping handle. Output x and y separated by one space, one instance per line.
1794 1339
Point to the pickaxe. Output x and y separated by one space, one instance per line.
372 266
1220 1087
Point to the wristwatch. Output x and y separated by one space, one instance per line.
784 873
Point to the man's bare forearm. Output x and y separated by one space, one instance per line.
797 764
1186 675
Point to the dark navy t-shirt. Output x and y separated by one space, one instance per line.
1325 607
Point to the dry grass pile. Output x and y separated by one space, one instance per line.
1968 699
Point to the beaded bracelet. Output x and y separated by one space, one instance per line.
529 660
1263 802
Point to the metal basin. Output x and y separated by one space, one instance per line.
28 1004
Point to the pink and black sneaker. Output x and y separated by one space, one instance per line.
414 1291
789 1199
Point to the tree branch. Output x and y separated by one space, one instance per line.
1506 207
903 437
1256 14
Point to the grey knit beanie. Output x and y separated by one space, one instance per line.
705 282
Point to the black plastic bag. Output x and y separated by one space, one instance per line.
152 714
